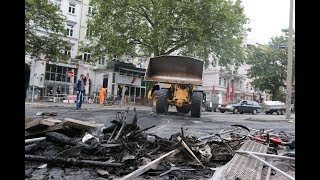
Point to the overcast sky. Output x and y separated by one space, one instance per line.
267 18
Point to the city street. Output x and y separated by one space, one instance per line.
210 122
165 126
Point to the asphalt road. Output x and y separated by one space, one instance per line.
168 124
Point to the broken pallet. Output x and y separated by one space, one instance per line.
242 166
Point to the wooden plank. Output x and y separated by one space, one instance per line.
153 164
54 120
41 131
38 124
111 145
78 124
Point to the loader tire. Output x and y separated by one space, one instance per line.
196 102
154 98
162 101
183 109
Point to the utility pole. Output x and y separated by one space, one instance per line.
289 66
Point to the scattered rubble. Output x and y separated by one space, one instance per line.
124 151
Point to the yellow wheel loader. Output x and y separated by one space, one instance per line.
177 84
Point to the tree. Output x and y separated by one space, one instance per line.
45 35
269 65
161 27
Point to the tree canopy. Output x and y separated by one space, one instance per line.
45 34
269 65
160 27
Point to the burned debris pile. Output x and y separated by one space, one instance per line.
125 151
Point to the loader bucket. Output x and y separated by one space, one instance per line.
174 69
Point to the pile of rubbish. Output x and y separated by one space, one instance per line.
124 151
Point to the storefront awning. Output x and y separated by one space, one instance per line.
133 70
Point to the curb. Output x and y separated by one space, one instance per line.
271 120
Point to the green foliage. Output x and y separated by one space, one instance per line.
269 66
186 27
40 16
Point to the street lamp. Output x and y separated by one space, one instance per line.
289 67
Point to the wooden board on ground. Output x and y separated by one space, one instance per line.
56 121
38 124
243 166
44 130
26 120
78 124
152 164
47 113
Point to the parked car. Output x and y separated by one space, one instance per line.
211 104
270 107
247 106
227 107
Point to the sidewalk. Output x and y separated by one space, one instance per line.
87 106
273 118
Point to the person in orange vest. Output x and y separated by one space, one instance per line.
102 94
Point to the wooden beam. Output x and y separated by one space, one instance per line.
70 161
152 164
189 150
38 124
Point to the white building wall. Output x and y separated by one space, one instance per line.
73 19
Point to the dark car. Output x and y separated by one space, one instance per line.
247 106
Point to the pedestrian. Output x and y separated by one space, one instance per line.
80 91
102 94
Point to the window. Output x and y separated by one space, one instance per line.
56 3
220 81
90 10
70 30
113 77
72 8
67 53
114 57
88 32
102 61
247 86
86 56
224 82
240 85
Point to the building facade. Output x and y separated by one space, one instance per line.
123 78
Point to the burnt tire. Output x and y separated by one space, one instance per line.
162 101
235 111
196 102
222 111
184 109
254 111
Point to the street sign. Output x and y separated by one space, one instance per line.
70 73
